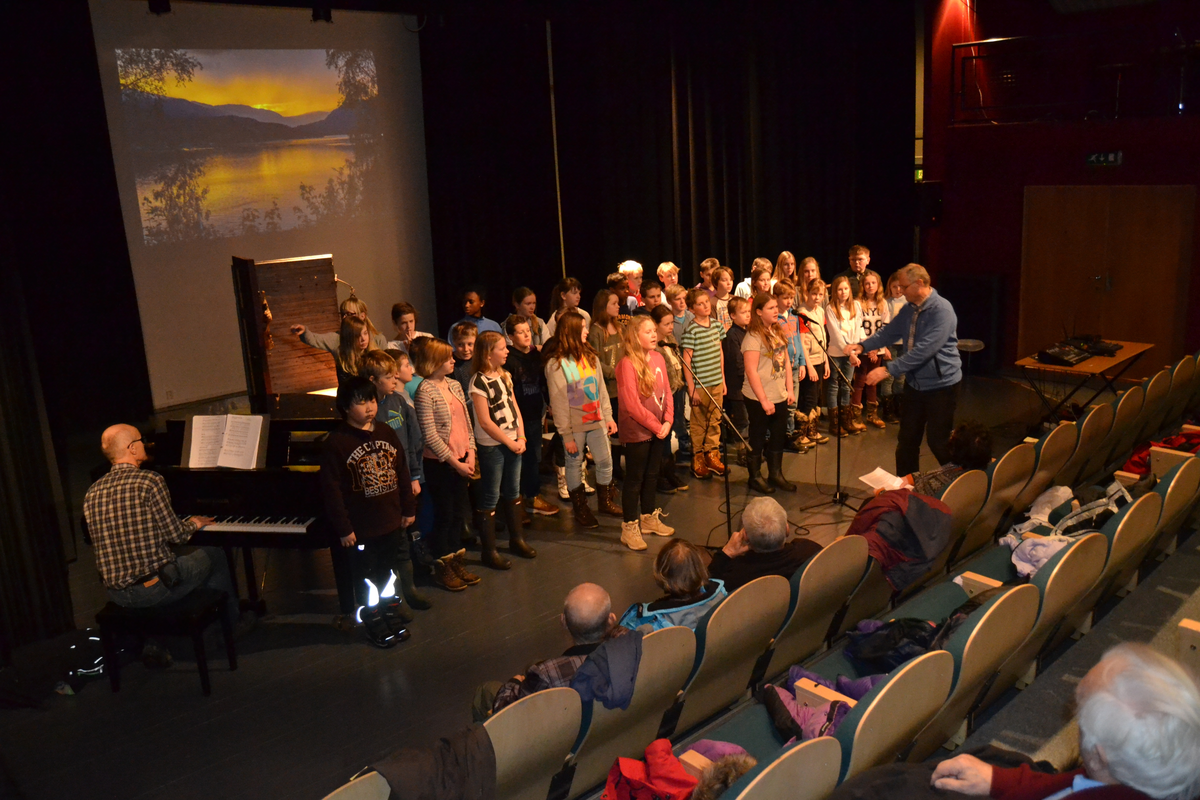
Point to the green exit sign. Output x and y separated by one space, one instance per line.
1110 159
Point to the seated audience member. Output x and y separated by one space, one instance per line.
135 533
690 593
969 447
473 301
404 318
587 616
759 549
1139 737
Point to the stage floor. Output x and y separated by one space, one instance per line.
311 705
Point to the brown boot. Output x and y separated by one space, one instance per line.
700 467
856 419
871 415
845 421
713 459
584 517
458 564
606 496
445 576
814 434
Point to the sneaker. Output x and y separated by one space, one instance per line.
664 485
539 506
379 632
155 657
651 523
631 536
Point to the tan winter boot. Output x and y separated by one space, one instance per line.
814 433
631 536
651 523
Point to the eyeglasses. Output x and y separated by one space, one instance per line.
135 441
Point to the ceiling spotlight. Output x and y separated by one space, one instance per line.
322 14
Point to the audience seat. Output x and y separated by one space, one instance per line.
819 591
1007 475
371 786
1154 406
886 719
730 639
871 596
1050 454
1062 582
532 739
965 496
1180 491
1128 533
978 647
1182 378
808 771
1093 428
1119 441
605 734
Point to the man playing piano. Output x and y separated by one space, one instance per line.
135 532
369 500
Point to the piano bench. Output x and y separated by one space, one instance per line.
189 616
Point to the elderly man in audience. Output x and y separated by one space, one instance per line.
1139 736
588 617
759 548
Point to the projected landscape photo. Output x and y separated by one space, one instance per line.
236 142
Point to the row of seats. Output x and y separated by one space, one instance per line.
687 678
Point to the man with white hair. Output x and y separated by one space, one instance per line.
759 548
1139 737
134 532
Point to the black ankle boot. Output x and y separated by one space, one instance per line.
755 481
487 549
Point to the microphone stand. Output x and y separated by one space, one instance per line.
840 498
727 423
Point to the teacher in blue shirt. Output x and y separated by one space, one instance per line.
930 364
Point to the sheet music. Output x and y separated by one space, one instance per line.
207 435
880 478
240 448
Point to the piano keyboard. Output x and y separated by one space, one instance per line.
258 524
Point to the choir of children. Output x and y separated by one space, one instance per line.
436 414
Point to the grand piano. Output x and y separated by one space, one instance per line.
278 505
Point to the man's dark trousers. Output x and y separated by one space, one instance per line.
925 414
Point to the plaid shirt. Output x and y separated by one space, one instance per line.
129 515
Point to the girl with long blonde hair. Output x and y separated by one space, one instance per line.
500 442
582 415
768 390
645 414
864 401
843 323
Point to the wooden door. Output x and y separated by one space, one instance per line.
1110 260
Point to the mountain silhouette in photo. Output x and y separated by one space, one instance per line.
163 122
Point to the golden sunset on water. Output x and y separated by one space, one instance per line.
288 82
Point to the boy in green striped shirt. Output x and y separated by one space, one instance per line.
702 353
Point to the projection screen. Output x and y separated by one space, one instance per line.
255 132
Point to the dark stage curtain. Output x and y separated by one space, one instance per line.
685 130
35 602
